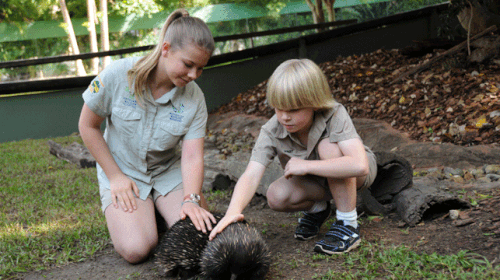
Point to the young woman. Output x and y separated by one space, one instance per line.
150 104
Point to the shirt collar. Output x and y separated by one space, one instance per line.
319 124
317 128
167 97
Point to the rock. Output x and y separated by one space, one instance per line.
435 173
452 171
477 172
461 223
493 177
432 155
484 180
468 176
492 169
454 214
457 179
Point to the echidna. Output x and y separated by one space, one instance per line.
180 248
238 252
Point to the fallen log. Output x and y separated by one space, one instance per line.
440 56
425 200
74 153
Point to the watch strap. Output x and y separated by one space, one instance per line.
190 196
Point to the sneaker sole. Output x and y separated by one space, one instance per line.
319 249
301 238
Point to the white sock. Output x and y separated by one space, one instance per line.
349 218
318 206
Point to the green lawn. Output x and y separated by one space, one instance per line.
49 209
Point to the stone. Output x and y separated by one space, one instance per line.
454 214
492 169
452 171
493 177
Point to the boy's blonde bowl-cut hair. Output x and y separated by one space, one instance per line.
298 84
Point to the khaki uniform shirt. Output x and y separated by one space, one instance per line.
144 139
274 140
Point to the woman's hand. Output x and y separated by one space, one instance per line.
201 218
122 192
224 222
295 166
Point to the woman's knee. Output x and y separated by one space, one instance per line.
136 251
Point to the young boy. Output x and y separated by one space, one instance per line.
321 153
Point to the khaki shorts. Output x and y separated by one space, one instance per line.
372 173
106 196
370 178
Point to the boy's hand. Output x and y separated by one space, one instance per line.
223 223
122 192
296 166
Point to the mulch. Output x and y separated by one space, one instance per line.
454 101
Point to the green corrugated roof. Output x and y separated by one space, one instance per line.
299 6
212 13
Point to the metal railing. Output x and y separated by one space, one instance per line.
27 86
62 58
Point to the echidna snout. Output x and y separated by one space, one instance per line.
238 251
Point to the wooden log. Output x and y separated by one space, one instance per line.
74 153
425 200
453 50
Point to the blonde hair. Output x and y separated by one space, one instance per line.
179 30
297 84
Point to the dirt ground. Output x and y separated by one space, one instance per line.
294 259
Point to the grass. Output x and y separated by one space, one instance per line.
376 261
50 215
49 211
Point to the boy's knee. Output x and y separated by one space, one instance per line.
277 199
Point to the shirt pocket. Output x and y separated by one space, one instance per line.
125 121
168 135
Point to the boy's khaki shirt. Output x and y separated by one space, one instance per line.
274 140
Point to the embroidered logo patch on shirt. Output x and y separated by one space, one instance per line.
95 85
179 110
176 117
130 101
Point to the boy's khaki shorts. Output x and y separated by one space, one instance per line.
370 178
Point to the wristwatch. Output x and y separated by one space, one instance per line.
194 197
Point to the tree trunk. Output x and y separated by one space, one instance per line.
91 15
105 33
477 17
80 70
330 10
317 12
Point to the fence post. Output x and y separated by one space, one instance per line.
302 48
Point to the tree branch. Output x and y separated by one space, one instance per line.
453 50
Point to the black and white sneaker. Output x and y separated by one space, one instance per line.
340 239
310 224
